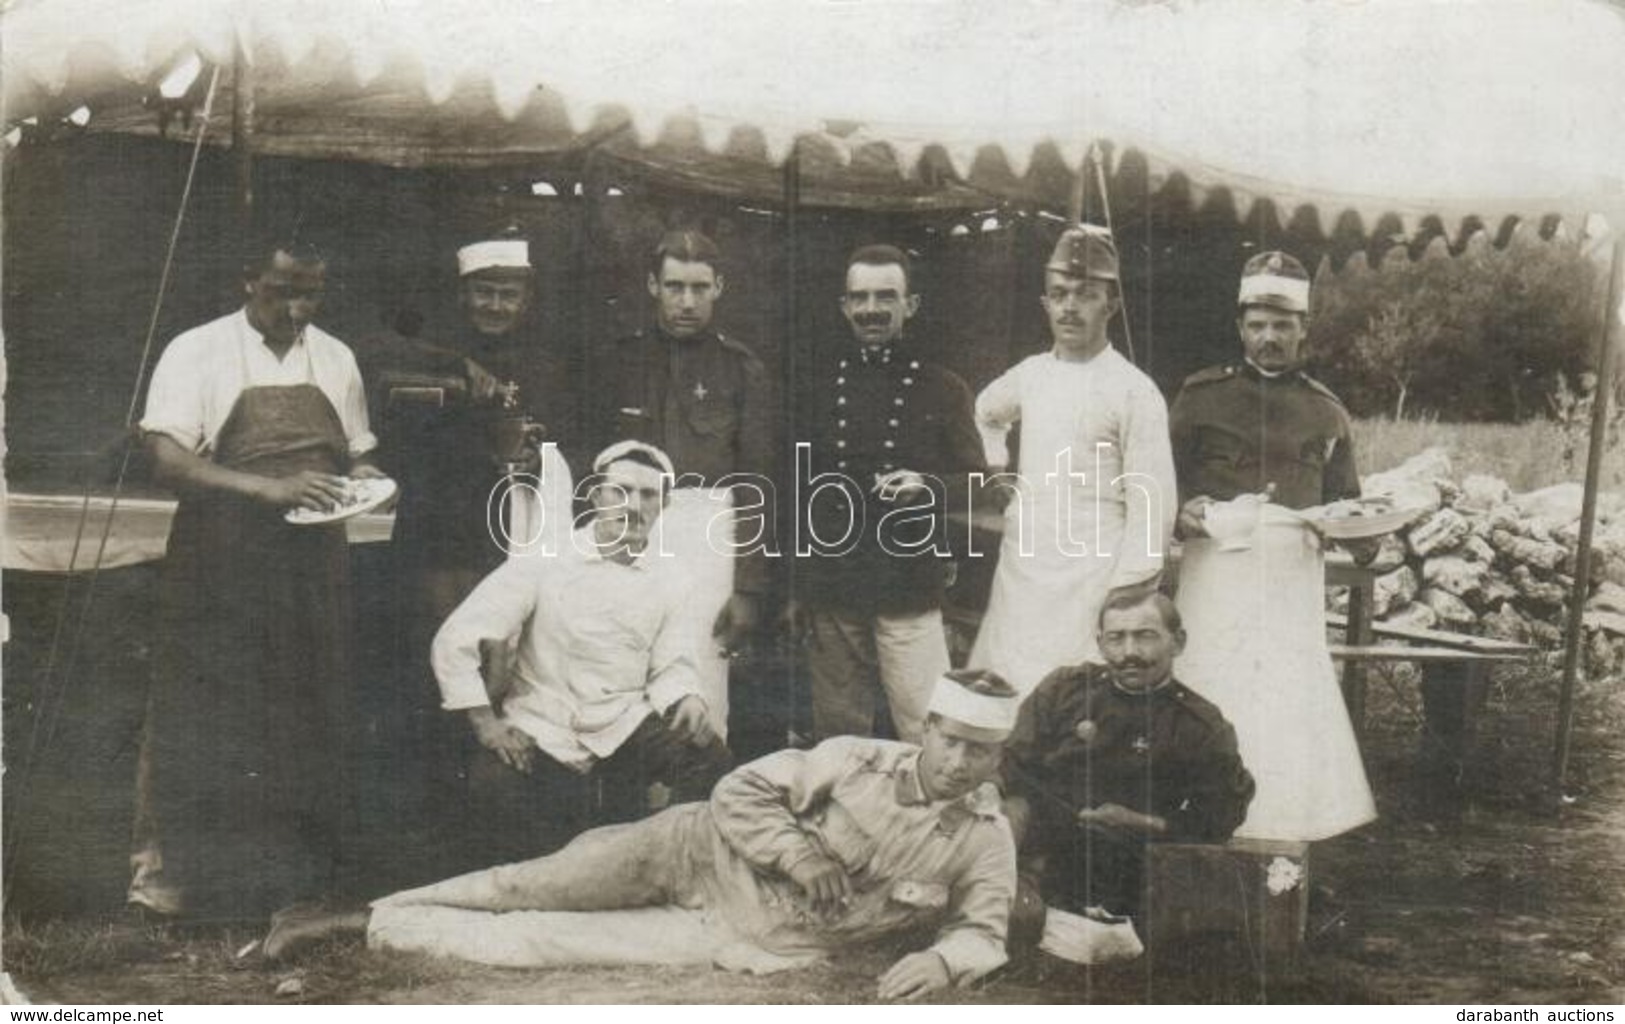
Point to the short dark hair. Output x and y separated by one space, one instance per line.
685 246
260 254
883 256
1164 604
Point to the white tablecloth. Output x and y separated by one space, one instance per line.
40 530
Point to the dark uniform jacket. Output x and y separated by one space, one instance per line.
1080 741
707 403
1235 430
442 453
862 415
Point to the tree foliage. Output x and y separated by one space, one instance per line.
1486 335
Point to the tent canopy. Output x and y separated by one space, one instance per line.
1456 109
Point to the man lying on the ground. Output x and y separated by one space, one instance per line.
604 699
1106 758
797 854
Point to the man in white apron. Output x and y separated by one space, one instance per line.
1095 501
1254 612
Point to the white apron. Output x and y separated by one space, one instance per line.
1046 597
1256 627
1085 428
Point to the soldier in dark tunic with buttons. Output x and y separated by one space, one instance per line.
704 398
896 438
1106 758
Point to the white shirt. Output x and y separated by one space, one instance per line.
1111 419
203 371
598 651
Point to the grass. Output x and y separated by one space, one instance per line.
1528 456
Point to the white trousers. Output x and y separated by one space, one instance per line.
854 660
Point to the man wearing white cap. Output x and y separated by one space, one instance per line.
441 402
796 855
1254 609
604 699
1094 506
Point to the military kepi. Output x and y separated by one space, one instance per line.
1085 251
1277 280
978 699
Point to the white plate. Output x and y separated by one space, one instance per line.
365 495
1359 518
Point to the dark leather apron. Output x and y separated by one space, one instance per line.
247 781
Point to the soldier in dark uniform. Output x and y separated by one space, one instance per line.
896 437
1263 423
705 399
1106 759
1263 426
437 401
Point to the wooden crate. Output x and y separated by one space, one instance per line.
1256 891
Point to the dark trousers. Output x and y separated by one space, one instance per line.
513 816
1096 866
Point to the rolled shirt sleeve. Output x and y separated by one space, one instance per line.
352 408
175 399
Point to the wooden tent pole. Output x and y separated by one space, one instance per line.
242 136
1611 333
1122 297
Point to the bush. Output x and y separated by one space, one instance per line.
1485 336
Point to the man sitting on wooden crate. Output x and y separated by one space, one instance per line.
1107 758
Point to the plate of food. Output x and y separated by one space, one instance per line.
1359 518
360 496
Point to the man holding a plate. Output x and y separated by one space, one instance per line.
1253 441
244 788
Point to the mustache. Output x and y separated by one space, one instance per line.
1132 663
873 319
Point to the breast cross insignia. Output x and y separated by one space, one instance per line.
699 391
1141 745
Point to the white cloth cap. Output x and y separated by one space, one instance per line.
503 254
1286 293
621 449
1087 940
952 699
